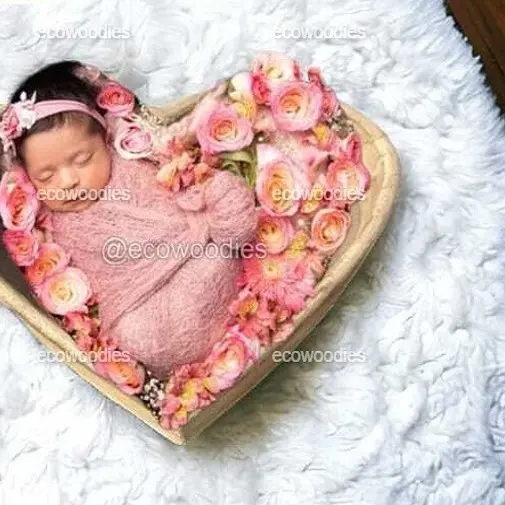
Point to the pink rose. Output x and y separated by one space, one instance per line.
330 102
18 201
51 259
296 106
131 142
275 232
65 291
347 177
223 129
280 184
228 360
268 70
127 374
116 99
22 246
10 126
329 229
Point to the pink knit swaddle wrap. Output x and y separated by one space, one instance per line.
162 311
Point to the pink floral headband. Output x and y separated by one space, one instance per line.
23 114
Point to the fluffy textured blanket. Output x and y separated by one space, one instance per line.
422 419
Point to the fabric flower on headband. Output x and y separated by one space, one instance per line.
17 117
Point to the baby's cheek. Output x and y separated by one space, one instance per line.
98 174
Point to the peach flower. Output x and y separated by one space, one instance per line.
275 232
116 99
132 142
296 106
22 246
51 259
78 322
127 374
325 138
223 129
18 200
315 198
171 174
329 229
242 95
268 70
348 181
65 291
228 360
280 184
252 315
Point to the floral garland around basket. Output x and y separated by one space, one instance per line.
290 140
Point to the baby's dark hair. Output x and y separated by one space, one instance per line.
60 81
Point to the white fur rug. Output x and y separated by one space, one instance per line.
422 420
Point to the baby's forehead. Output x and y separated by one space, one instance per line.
58 145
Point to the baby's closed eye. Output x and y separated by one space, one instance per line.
83 158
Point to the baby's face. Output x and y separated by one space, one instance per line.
67 158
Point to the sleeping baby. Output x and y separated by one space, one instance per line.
162 310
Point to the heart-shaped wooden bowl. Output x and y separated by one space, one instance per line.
369 217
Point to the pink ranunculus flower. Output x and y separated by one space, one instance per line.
280 184
22 246
275 232
268 70
126 373
228 360
330 102
223 129
329 229
242 96
18 200
51 259
296 106
65 291
116 99
132 142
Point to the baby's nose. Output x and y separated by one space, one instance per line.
69 178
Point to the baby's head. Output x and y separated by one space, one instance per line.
69 149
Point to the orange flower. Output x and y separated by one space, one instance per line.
329 229
127 374
50 260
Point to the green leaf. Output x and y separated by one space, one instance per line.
242 163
